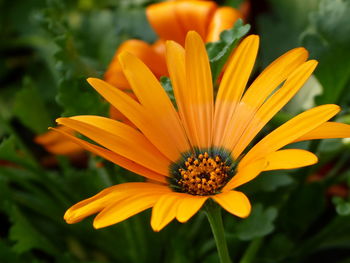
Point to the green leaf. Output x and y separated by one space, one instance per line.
277 248
30 109
330 146
342 207
337 14
233 3
132 21
277 37
6 254
77 97
271 181
25 236
328 38
10 151
220 51
167 86
258 224
295 214
293 12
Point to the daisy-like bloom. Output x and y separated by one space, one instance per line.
198 151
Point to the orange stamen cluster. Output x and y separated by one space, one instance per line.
203 175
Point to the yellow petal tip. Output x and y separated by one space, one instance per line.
97 225
253 38
69 217
193 36
123 57
59 120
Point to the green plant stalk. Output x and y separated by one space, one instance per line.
213 212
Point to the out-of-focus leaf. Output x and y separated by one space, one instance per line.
6 253
78 97
26 236
330 146
295 215
270 181
30 108
10 151
294 12
258 224
132 23
233 3
73 65
277 37
342 206
328 39
220 51
334 79
337 13
101 40
277 248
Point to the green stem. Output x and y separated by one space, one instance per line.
213 212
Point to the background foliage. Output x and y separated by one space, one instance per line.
47 50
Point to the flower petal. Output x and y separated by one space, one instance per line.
200 91
138 115
245 129
163 19
175 57
119 138
233 84
242 127
327 130
188 206
224 18
273 75
234 202
245 174
164 211
153 97
115 158
195 15
125 208
289 159
107 196
114 74
172 20
290 131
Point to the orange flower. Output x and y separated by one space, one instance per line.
198 152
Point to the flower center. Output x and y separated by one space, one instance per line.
202 174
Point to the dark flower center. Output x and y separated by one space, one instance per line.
202 173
